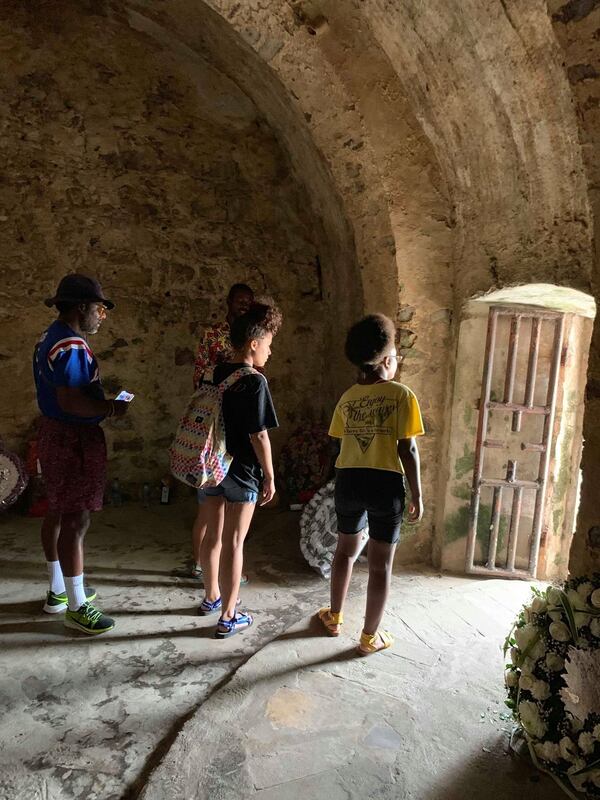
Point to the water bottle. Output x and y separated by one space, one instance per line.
116 498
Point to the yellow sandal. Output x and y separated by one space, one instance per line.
373 643
332 622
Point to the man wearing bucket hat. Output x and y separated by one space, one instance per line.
72 449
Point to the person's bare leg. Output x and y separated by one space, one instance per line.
199 532
50 534
73 528
347 550
211 546
381 559
238 517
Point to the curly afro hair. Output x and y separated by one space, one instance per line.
260 319
368 340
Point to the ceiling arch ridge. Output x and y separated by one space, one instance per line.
498 110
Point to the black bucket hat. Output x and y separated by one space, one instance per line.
77 288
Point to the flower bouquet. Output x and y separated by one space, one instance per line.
305 462
553 682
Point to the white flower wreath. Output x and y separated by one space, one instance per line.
553 681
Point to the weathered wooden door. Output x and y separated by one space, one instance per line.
513 447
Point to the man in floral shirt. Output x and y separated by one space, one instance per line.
214 349
215 346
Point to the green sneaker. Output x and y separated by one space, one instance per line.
88 619
55 603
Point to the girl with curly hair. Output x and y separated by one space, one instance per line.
377 420
248 414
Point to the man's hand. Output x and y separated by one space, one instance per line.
121 407
268 491
415 511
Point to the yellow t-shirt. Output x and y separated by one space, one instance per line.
369 419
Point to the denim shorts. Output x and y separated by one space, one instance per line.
230 490
375 496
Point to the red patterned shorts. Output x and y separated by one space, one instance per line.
73 461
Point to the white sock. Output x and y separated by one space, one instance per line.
75 591
57 582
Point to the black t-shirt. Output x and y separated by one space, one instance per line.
247 408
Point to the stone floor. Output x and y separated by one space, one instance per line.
158 709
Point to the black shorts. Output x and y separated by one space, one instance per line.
373 495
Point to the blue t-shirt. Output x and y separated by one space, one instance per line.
63 358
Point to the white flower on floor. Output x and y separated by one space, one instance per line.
581 695
526 636
556 698
554 662
568 749
586 743
527 666
511 678
584 590
553 596
548 751
539 605
526 683
530 719
540 690
559 631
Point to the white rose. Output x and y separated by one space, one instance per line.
538 651
594 777
527 614
556 616
596 732
526 683
559 631
554 662
530 719
584 590
540 690
526 636
511 679
595 598
515 656
567 749
527 666
576 725
539 605
575 600
553 596
581 619
547 751
595 627
586 743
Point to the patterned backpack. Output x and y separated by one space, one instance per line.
199 454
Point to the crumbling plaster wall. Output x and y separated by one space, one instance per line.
469 159
159 176
577 27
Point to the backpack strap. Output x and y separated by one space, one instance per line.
235 377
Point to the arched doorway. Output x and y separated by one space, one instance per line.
516 439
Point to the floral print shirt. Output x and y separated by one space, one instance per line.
214 348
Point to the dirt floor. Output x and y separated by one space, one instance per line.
157 708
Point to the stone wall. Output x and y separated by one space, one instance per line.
577 28
160 177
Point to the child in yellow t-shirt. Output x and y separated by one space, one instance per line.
377 420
